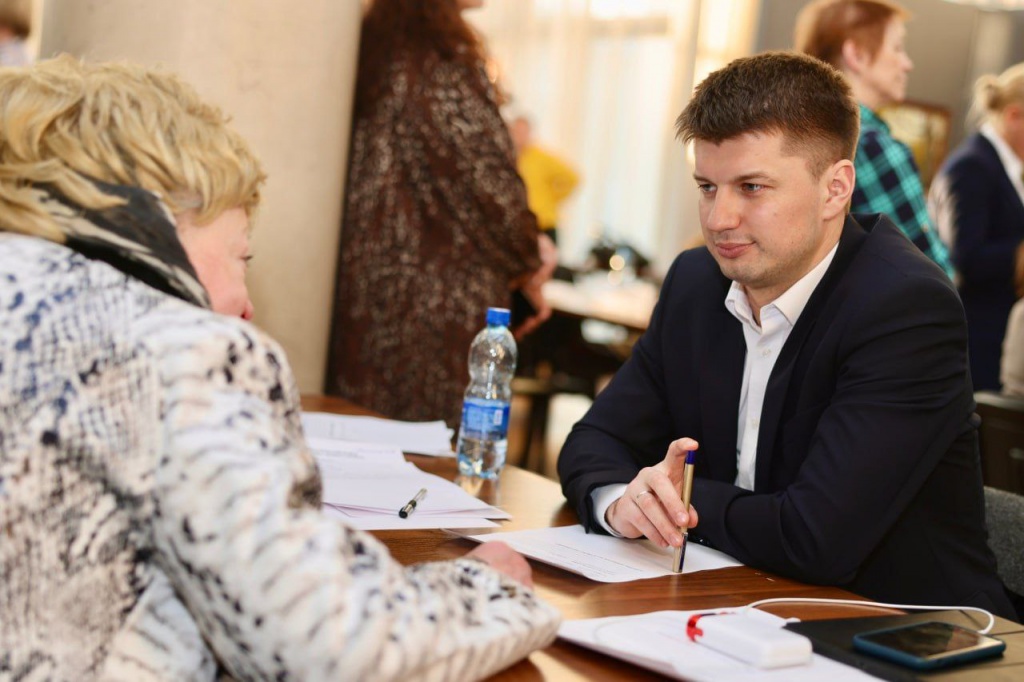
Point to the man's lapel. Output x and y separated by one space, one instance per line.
791 359
721 379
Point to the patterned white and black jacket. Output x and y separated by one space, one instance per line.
158 506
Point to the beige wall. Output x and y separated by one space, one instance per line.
285 72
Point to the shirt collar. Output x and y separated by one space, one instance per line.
792 301
1013 165
869 119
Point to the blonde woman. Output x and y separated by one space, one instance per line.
158 505
977 200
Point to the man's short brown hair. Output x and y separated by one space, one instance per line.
804 99
824 25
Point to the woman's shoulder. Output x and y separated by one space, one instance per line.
975 154
188 340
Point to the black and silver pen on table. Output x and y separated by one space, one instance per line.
680 552
410 506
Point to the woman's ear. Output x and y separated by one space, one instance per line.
1013 114
855 59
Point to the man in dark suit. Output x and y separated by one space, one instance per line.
817 362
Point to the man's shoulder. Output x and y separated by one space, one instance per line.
694 284
695 265
887 260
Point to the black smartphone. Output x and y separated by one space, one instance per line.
928 645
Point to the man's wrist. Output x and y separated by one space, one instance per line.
602 499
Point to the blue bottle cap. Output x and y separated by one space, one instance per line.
498 316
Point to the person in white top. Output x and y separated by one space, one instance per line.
977 200
1011 371
816 361
15 26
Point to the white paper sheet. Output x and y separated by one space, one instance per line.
425 438
365 484
347 453
657 641
414 521
387 489
604 558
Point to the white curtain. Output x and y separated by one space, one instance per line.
603 82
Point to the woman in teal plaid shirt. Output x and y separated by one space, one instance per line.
864 39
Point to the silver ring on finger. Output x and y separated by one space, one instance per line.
636 498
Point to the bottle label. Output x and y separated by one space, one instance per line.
485 418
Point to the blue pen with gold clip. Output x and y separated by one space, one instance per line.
680 551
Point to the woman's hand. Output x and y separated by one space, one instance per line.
504 559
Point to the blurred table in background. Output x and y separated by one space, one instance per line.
594 323
596 296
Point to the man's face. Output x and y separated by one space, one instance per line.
766 220
887 73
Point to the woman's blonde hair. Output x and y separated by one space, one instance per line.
993 93
64 121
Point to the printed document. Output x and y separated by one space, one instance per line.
423 438
365 485
412 522
604 558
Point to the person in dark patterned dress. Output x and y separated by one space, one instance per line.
159 507
436 225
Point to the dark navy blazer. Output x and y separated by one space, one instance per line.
973 199
867 474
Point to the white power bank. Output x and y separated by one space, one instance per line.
749 639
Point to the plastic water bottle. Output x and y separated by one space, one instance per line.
483 435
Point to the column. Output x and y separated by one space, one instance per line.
285 73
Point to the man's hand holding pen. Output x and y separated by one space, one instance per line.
651 505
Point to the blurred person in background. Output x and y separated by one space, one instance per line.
15 25
160 510
549 179
436 226
865 40
977 200
1012 370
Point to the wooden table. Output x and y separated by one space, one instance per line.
537 502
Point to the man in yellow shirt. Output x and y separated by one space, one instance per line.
548 179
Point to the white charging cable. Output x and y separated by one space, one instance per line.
852 602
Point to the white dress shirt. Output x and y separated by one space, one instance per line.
764 343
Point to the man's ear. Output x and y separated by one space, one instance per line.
840 179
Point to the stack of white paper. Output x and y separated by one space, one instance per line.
341 453
605 558
365 484
424 438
